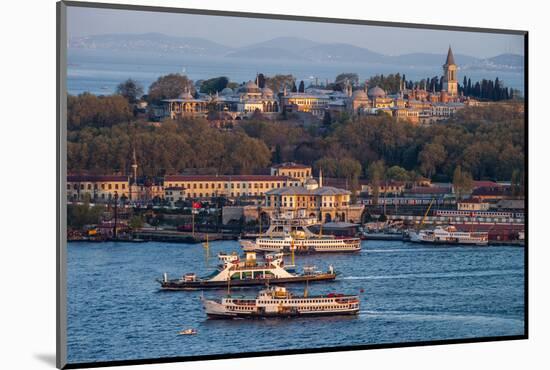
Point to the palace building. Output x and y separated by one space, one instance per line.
413 105
96 188
293 170
231 186
326 203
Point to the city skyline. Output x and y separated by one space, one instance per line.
229 31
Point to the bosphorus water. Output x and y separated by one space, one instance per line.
407 293
100 71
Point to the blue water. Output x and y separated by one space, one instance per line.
411 293
99 71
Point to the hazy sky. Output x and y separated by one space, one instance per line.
237 32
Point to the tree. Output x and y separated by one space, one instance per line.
517 183
278 82
347 78
327 119
431 156
277 154
130 89
302 87
294 89
90 110
79 215
261 80
136 222
169 87
214 85
462 182
396 173
376 174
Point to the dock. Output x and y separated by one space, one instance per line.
188 237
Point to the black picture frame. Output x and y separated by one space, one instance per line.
61 176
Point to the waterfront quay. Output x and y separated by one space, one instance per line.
228 207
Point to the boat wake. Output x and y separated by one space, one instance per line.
428 316
394 250
437 275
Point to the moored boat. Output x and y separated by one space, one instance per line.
235 272
278 302
449 235
286 235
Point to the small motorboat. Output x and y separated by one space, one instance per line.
188 332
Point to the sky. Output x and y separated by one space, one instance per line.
239 32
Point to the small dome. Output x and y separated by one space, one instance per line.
227 91
250 84
359 95
267 91
251 87
185 95
376 92
311 184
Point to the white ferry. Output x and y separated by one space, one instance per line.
236 272
448 235
285 235
278 302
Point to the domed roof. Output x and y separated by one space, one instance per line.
376 92
227 91
359 95
311 184
185 95
251 86
267 91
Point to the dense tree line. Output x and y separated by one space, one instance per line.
97 111
487 142
173 147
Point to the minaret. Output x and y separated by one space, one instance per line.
450 82
320 177
134 166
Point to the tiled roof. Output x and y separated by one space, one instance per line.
428 190
215 178
301 190
291 165
97 178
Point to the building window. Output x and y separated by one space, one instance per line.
110 186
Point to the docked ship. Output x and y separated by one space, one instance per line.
448 235
278 302
234 272
293 234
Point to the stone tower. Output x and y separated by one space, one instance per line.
450 82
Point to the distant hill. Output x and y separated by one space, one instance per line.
511 60
430 59
292 44
261 52
154 42
343 53
284 48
